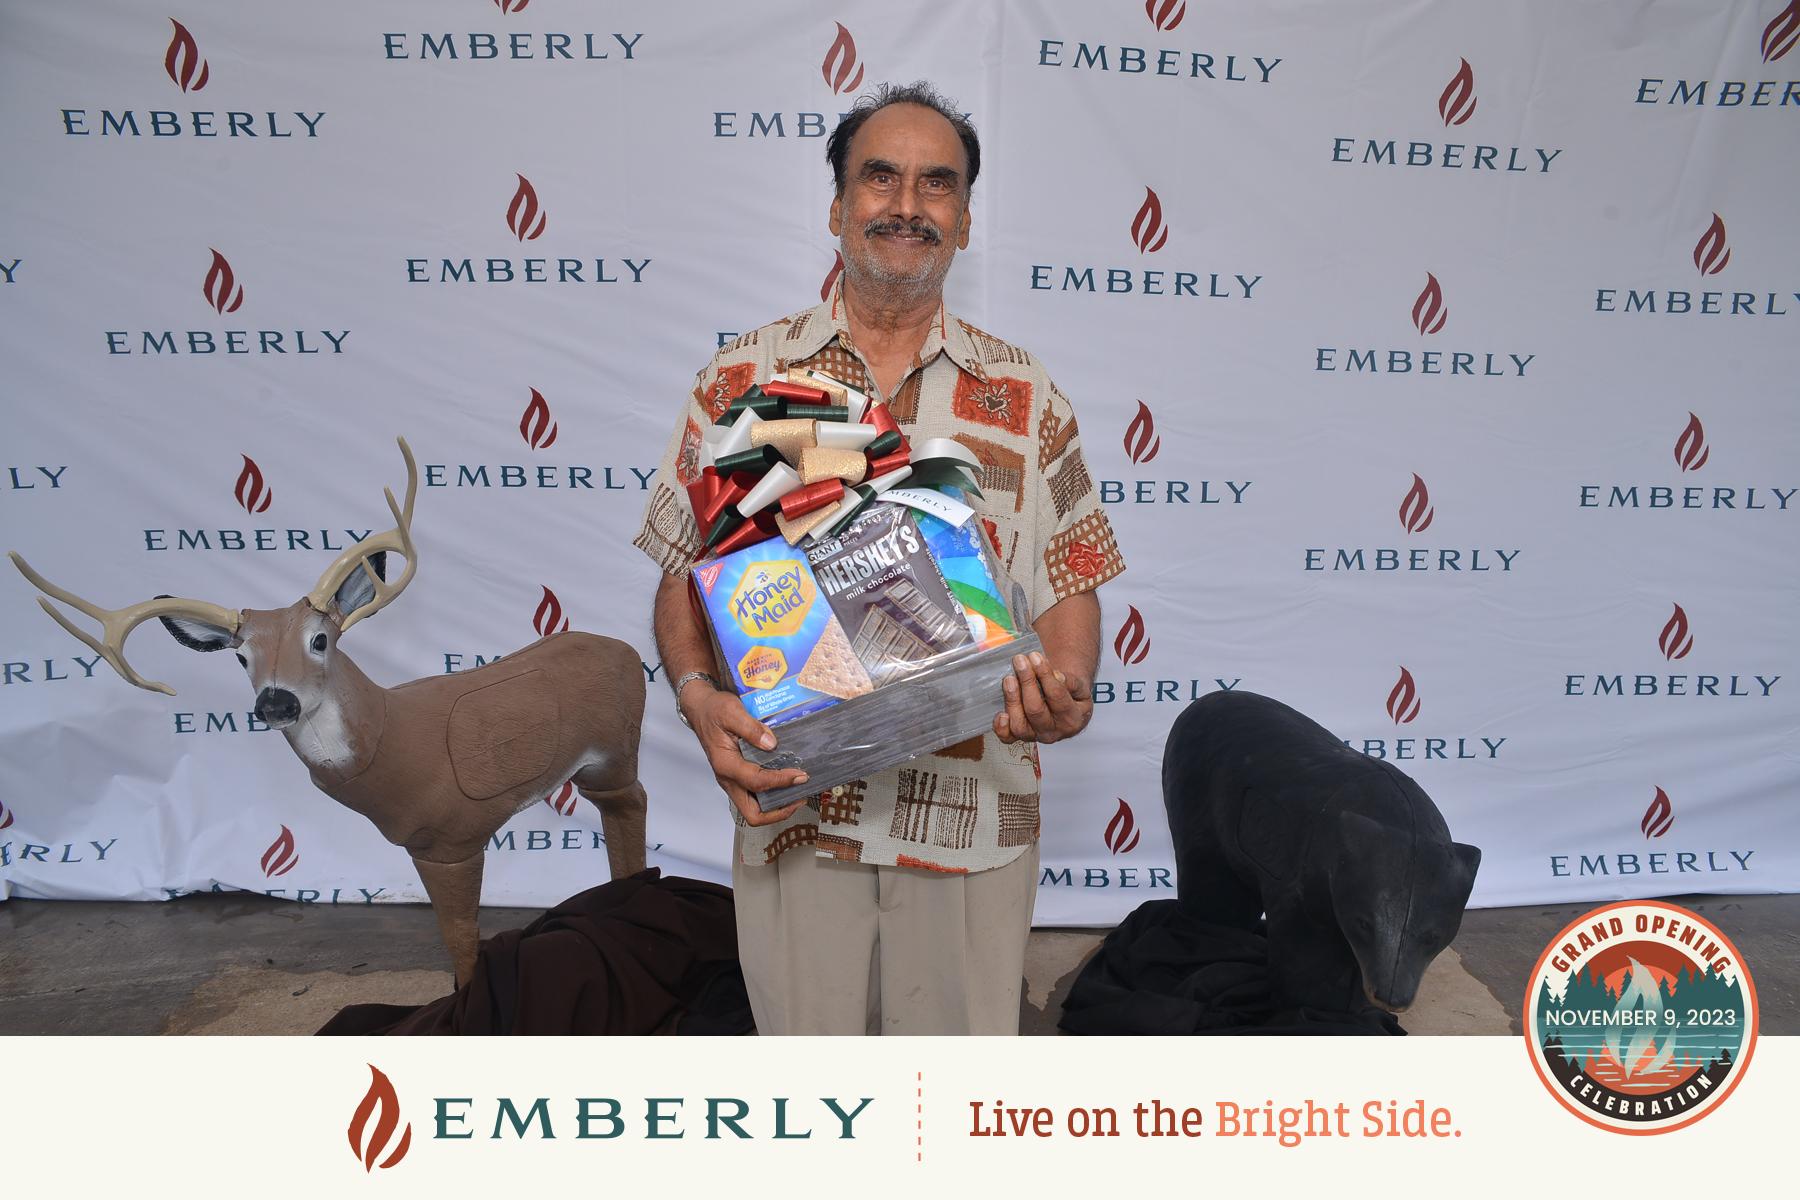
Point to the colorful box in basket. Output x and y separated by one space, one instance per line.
891 594
778 639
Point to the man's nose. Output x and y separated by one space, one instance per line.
905 203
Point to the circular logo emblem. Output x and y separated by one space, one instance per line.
1640 1017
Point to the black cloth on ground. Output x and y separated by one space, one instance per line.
1165 971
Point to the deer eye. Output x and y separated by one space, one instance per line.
243 662
318 643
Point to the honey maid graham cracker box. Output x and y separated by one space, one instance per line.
800 630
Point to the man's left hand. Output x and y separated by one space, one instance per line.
1042 704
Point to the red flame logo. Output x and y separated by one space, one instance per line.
1691 450
1403 701
840 61
1416 511
221 288
1133 642
1122 831
280 857
831 276
1710 252
381 1095
1147 228
250 493
523 216
549 615
563 801
6 817
535 425
1780 34
1167 14
1659 818
186 68
1141 439
1456 103
511 6
1429 313
1675 639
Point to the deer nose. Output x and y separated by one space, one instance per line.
277 706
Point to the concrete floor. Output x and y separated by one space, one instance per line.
223 964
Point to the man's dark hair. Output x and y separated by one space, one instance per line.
837 149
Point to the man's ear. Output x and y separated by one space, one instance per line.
962 227
836 223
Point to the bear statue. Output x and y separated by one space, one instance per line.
1347 858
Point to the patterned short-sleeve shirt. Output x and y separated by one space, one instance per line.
972 806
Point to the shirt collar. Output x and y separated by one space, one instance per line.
947 335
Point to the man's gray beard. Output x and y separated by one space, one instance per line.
883 286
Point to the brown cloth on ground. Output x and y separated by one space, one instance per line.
635 956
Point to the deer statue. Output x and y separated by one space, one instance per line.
437 764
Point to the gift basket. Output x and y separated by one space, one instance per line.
851 597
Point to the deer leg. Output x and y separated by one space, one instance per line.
455 891
622 820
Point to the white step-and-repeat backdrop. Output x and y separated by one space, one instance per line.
1437 361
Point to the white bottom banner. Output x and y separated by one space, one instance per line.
1458 1116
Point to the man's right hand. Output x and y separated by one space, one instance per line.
719 720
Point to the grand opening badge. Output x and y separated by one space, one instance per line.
1641 1017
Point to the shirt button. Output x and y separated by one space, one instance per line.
838 790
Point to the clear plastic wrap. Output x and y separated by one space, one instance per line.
888 640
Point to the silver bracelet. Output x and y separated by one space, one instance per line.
683 682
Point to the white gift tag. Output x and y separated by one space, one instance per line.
952 512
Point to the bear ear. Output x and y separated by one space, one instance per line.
1360 835
1468 858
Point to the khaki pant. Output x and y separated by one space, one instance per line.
843 948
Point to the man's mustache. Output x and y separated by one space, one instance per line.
917 227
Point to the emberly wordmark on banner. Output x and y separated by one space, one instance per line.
249 539
492 47
1772 40
1676 641
1711 255
188 69
1151 61
1456 103
1149 234
526 218
1655 857
162 123
1430 314
22 479
224 294
56 670
1691 453
1416 515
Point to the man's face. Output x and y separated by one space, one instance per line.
904 211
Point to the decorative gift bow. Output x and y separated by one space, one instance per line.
786 457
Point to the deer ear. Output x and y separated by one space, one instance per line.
198 635
357 589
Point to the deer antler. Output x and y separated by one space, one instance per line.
398 539
117 623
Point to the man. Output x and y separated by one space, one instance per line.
902 901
